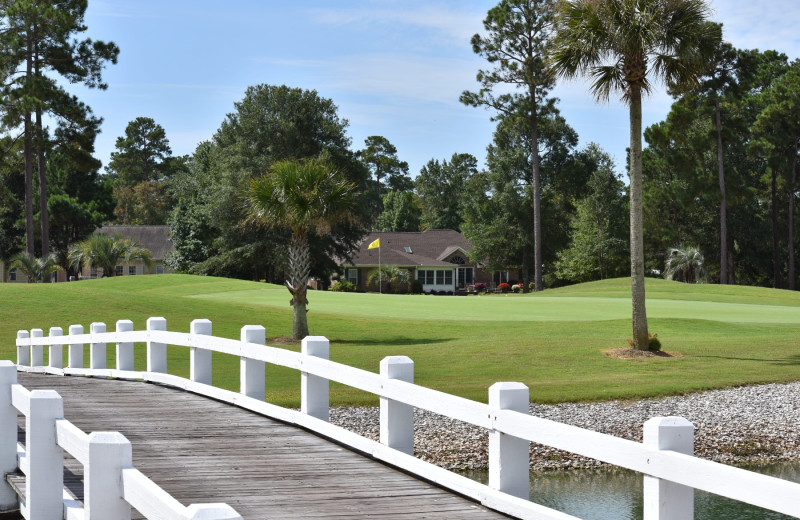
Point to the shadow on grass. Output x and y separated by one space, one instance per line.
391 341
785 362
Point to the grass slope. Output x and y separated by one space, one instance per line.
552 341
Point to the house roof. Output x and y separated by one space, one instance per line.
428 248
154 238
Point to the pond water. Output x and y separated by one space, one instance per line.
616 494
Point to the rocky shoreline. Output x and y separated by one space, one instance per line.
751 424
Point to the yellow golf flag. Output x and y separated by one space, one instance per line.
375 244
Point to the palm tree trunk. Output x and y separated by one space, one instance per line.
723 203
640 337
299 271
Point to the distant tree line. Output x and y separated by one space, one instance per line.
718 174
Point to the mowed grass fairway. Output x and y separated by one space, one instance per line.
553 341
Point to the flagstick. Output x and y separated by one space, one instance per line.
380 281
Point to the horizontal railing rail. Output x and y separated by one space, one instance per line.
665 456
111 484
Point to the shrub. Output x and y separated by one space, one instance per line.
532 287
517 287
342 286
480 287
416 287
504 287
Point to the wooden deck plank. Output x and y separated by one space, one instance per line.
200 450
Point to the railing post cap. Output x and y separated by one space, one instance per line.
97 326
45 395
212 512
396 360
254 334
37 333
75 329
124 325
56 331
8 372
200 326
510 396
23 334
108 438
318 346
657 423
156 323
6 364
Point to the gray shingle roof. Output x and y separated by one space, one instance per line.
428 248
154 238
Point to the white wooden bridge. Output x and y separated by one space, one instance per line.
182 455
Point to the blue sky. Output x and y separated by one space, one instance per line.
394 68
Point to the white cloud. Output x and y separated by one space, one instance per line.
748 24
457 22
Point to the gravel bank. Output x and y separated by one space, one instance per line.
755 424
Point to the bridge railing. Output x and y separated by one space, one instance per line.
111 484
665 458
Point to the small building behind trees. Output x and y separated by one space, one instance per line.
437 258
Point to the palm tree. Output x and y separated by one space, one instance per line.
35 269
394 279
105 252
622 45
685 265
305 196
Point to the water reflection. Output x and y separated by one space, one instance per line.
615 494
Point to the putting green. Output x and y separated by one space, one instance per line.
511 307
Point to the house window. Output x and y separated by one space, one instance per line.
458 260
93 272
118 270
352 276
131 269
12 275
435 276
159 269
500 277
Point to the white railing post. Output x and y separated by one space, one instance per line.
509 456
125 348
23 353
44 482
315 390
109 452
200 358
8 434
156 352
212 512
97 351
75 350
37 351
397 419
56 353
252 373
665 500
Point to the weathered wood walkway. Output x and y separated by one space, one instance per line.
200 451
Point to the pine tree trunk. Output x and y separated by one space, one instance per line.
723 203
776 270
30 246
640 336
43 212
537 197
791 218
